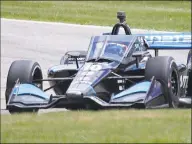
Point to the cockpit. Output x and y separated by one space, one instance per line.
111 48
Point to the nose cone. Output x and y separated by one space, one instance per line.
79 89
86 79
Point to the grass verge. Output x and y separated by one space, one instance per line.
135 126
159 15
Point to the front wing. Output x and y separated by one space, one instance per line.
147 94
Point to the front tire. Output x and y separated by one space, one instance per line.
165 71
26 71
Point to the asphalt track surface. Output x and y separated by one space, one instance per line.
46 42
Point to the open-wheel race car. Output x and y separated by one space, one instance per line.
117 71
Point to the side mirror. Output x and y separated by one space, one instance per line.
139 54
73 54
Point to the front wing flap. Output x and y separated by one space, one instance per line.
29 96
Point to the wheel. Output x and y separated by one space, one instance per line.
26 71
189 57
189 65
165 71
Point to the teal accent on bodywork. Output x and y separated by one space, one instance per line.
15 90
57 68
142 87
134 67
91 91
29 89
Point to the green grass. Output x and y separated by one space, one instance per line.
159 15
114 126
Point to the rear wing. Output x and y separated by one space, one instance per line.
161 40
168 41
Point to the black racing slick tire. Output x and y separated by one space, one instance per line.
189 66
165 70
26 71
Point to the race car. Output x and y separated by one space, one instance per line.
117 71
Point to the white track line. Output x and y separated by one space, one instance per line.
75 25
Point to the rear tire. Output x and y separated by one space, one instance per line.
189 65
189 59
165 71
26 71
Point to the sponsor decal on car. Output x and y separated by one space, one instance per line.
169 38
184 81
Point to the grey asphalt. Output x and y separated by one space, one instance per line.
46 43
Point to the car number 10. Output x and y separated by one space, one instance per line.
92 67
